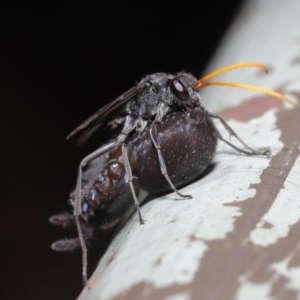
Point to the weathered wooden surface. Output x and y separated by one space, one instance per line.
238 238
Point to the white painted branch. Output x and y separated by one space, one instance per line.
238 238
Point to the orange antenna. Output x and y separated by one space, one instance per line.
201 83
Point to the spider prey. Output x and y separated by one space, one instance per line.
159 130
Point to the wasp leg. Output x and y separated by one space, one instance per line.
264 152
162 164
128 127
129 180
102 150
78 200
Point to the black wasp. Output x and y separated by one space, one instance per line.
156 136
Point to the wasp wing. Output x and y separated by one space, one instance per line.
95 121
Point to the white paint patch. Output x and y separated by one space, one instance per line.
292 274
182 296
284 212
250 291
168 249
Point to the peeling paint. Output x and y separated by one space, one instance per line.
183 228
239 255
250 291
292 274
182 296
284 212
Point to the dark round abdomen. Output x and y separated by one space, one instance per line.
188 144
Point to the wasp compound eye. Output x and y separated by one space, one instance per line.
179 90
148 84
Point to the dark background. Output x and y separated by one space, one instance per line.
59 64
